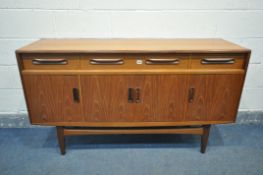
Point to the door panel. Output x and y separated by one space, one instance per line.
216 97
50 98
171 94
105 98
162 97
145 109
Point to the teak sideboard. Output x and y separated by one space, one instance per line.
132 86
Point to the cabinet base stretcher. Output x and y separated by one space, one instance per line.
62 131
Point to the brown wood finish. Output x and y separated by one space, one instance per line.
91 131
204 138
72 62
50 98
135 61
166 94
162 98
133 72
144 110
171 97
216 97
131 124
132 46
62 132
61 139
196 61
190 93
105 98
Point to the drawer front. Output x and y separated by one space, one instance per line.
134 61
47 61
217 61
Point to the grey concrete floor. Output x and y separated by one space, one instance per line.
232 149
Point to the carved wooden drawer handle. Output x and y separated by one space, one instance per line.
156 61
40 61
218 61
107 61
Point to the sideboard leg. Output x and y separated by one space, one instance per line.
204 137
61 139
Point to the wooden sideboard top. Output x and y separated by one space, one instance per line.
132 46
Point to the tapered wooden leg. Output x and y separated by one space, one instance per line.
61 139
204 137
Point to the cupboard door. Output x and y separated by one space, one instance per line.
171 96
145 109
50 98
216 97
106 98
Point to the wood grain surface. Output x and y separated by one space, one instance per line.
73 62
50 98
198 83
171 97
196 61
216 97
103 89
135 61
164 98
105 98
131 46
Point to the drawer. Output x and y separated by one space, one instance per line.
134 61
50 61
104 61
217 61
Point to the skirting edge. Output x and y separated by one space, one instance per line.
21 120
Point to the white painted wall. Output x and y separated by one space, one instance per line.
23 21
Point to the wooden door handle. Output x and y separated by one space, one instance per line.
130 95
156 61
41 61
75 93
218 61
107 61
134 95
191 95
138 95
